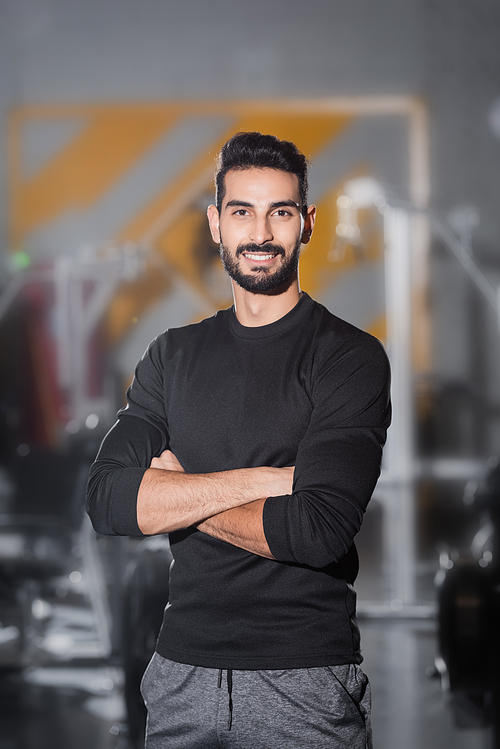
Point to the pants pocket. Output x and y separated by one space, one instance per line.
354 682
352 679
148 678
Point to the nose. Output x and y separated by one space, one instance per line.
261 230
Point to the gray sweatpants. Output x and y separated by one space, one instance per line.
190 707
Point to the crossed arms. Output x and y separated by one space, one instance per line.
227 505
337 463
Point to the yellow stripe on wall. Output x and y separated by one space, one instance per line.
87 167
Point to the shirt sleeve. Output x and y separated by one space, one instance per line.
338 460
125 454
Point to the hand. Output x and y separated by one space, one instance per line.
167 461
276 481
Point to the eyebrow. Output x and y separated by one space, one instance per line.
276 204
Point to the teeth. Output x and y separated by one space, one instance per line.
258 257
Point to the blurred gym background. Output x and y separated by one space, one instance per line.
111 116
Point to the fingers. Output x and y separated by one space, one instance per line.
167 462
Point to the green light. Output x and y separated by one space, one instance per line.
21 260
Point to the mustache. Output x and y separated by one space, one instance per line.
277 249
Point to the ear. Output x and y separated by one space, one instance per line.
309 220
213 222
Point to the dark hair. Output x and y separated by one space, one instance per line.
255 150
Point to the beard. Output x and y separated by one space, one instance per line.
264 279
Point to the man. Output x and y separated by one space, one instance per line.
253 438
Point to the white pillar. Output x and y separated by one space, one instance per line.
400 450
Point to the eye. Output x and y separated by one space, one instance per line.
283 213
241 212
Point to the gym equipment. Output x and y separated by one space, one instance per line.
468 585
144 599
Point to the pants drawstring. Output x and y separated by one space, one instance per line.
229 676
230 693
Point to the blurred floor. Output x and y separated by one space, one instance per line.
63 708
82 708
409 708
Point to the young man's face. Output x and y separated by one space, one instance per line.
260 227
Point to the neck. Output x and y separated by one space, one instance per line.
254 310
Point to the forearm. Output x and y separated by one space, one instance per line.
169 500
240 526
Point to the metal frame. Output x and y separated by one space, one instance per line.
396 490
83 289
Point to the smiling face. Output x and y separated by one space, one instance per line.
260 227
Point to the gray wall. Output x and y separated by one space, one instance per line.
118 50
446 51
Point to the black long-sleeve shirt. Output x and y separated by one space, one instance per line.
309 390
